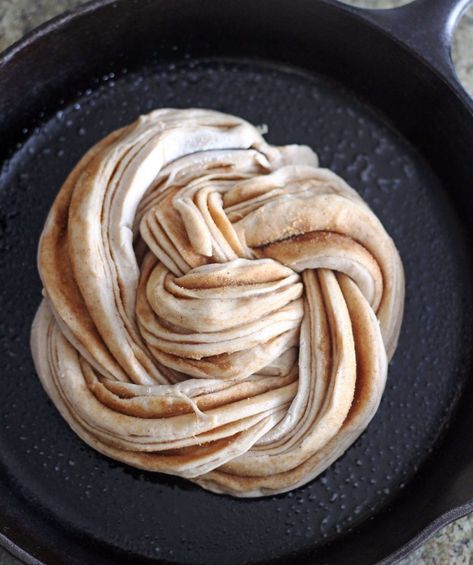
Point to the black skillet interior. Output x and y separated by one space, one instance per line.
315 74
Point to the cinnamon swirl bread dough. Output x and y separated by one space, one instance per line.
214 307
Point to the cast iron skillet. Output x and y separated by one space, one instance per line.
375 94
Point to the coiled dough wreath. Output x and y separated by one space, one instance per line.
214 307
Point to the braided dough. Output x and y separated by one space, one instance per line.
214 307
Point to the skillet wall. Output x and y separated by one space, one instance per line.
314 35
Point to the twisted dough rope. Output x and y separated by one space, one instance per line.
214 307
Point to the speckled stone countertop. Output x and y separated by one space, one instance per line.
454 543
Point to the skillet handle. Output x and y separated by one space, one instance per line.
426 27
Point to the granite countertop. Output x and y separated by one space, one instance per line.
454 543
